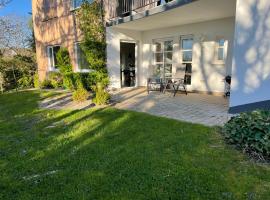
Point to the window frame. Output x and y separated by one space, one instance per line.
217 47
51 66
74 7
77 60
163 73
49 8
187 74
186 37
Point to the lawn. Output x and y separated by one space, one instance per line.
114 154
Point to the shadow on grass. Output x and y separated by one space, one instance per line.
113 154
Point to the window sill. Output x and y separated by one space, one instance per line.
53 70
218 62
83 70
74 9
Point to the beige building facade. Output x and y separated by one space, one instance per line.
54 26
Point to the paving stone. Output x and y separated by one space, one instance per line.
196 108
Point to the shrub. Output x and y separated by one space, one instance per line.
68 81
101 95
17 71
63 61
91 23
80 95
96 77
56 79
36 81
73 81
78 80
46 84
25 82
251 132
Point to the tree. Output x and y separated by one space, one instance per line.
3 3
31 38
91 22
16 69
13 33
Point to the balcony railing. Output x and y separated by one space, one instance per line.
123 8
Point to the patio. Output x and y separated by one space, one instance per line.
195 108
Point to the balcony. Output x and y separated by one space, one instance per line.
124 8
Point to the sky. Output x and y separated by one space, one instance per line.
17 7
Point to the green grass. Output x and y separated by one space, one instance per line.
114 154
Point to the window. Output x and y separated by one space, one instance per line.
52 51
187 55
77 3
49 9
81 62
220 50
187 46
163 53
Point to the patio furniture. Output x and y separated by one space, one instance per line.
154 84
228 80
177 81
175 84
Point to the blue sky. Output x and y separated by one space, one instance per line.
17 7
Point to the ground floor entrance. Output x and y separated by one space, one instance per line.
128 64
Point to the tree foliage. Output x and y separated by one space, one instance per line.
14 32
91 22
63 61
17 71
31 42
90 19
3 3
250 132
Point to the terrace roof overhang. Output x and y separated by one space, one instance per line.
177 13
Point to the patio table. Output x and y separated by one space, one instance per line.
175 84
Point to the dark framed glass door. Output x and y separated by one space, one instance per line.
128 64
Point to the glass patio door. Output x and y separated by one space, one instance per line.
187 56
163 53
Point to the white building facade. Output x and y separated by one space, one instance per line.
202 41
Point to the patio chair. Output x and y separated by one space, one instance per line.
177 82
154 84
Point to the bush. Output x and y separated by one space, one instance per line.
74 81
25 82
80 95
63 61
17 71
56 79
251 132
96 77
46 84
36 81
101 95
68 82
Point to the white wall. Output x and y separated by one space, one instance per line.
251 61
207 74
114 37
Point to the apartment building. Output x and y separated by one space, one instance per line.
202 41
